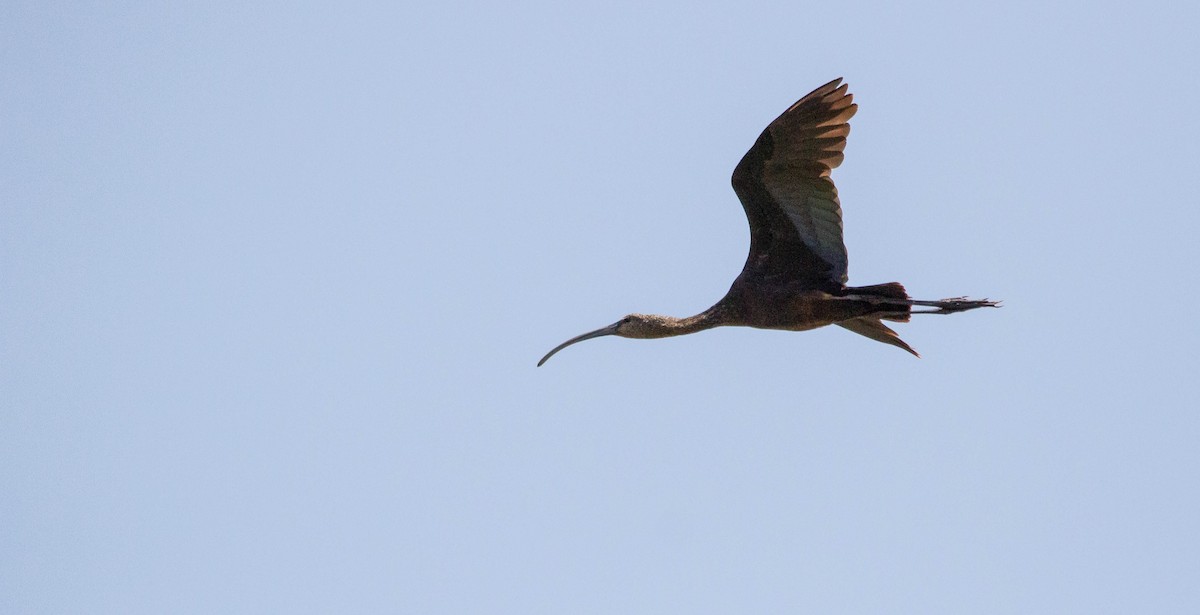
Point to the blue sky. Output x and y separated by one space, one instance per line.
274 279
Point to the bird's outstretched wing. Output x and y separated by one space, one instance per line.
784 185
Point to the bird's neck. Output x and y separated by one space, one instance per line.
670 326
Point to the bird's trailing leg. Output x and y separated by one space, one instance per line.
952 305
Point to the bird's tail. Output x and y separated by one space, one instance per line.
891 302
898 310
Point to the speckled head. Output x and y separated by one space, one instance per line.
647 326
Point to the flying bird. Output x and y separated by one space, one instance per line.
795 276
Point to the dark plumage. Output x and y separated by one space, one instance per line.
795 276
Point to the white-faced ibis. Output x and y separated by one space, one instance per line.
795 276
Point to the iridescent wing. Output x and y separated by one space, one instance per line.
791 203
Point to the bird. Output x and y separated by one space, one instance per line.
795 276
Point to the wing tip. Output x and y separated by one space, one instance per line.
821 93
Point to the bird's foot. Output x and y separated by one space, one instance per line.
953 305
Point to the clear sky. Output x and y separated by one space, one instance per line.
274 278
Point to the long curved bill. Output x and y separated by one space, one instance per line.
609 330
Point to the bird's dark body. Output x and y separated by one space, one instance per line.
795 275
792 307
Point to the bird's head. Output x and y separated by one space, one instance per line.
637 326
